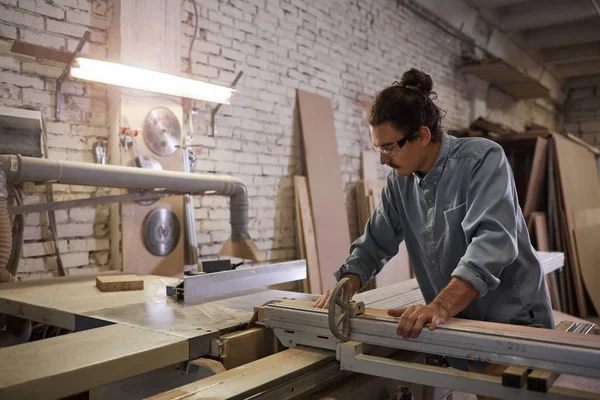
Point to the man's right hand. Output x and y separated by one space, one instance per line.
323 301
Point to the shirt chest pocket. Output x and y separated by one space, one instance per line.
453 243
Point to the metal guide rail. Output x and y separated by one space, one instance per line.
349 329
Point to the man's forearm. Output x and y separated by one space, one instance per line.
456 296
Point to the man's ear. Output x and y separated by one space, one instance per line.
424 136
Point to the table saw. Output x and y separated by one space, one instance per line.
145 343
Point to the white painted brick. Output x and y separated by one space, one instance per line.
68 142
43 248
35 68
9 63
32 96
203 238
75 230
9 92
99 257
85 270
71 260
21 80
43 8
85 18
219 236
80 245
85 130
209 250
99 7
43 39
29 265
25 19
9 32
205 71
220 62
82 214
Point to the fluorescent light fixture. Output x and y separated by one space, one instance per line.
151 81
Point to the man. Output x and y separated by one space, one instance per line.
454 202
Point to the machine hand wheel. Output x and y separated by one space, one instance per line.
339 325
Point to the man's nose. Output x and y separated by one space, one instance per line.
383 159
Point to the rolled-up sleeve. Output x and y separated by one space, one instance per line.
379 243
490 224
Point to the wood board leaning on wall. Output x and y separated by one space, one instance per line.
322 229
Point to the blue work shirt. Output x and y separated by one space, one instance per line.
462 219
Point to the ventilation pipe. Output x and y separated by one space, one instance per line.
20 169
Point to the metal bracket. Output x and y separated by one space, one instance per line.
340 296
65 73
213 113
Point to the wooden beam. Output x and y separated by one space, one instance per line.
541 13
567 54
74 363
253 378
563 34
41 52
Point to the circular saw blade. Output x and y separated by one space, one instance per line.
161 231
162 131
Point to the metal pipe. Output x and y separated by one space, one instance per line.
20 169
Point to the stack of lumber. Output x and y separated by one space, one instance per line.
559 192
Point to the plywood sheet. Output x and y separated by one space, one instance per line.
325 184
136 258
536 184
249 379
308 235
580 190
56 301
588 252
74 363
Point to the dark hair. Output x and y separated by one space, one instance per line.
408 105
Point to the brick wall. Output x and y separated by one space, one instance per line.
341 49
24 81
583 112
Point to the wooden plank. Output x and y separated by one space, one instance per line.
588 252
536 184
370 159
586 217
70 364
325 184
515 377
540 228
300 237
541 380
580 190
118 283
308 233
239 348
252 378
41 52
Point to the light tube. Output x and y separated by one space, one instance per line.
152 81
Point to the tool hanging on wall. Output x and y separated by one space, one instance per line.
128 139
162 131
161 231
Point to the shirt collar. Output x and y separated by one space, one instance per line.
433 176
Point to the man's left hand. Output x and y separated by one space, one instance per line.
413 318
